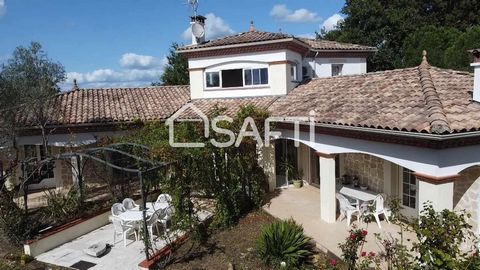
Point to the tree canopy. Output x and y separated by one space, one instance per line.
30 79
387 24
176 70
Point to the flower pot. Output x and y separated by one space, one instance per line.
297 183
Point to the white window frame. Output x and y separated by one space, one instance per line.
256 85
243 68
294 77
219 76
337 65
408 211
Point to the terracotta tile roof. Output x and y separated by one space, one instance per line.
320 45
113 105
241 38
259 36
229 106
420 99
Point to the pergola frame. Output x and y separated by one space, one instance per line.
142 166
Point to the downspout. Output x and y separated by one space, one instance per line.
315 65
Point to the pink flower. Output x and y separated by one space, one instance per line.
333 262
364 233
363 254
371 254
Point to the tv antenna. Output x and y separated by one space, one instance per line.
194 6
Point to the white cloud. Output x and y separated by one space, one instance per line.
307 35
139 70
3 8
215 27
332 22
138 61
302 15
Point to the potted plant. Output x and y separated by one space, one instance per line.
293 174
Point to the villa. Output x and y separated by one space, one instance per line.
410 133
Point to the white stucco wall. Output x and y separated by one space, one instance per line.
433 162
323 66
279 81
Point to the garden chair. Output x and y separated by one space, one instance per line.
124 229
347 209
376 208
129 204
166 216
164 198
117 209
152 221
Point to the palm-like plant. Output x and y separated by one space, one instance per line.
284 242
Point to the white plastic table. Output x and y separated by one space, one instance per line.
152 207
358 194
132 215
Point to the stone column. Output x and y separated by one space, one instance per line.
436 190
267 162
328 202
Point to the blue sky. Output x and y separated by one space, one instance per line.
106 43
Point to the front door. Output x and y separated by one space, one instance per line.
285 152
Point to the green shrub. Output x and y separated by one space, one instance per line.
284 241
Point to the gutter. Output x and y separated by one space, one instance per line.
407 134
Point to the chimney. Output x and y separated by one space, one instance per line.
252 27
197 25
476 74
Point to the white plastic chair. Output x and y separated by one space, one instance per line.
164 217
347 209
117 209
378 206
152 221
122 228
129 204
164 198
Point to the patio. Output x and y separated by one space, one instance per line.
118 257
303 205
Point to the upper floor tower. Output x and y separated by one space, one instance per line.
257 63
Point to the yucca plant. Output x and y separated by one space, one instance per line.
283 243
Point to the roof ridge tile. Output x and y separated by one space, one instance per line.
436 114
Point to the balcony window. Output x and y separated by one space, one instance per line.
232 78
256 76
213 79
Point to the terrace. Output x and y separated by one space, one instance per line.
303 205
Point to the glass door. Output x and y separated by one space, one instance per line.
408 192
285 153
314 168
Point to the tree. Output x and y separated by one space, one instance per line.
447 47
176 71
386 24
435 40
30 82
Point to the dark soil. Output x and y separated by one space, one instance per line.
235 246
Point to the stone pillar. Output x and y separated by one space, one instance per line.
387 178
436 190
267 162
328 202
